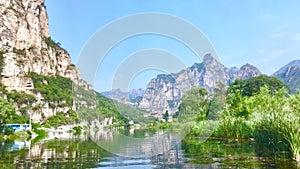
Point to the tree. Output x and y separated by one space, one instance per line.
7 111
194 102
166 116
250 87
217 102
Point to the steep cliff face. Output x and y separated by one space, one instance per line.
290 74
26 46
163 93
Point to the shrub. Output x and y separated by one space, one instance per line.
21 97
56 88
77 130
51 42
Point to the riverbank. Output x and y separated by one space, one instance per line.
190 153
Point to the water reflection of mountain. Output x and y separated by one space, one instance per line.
161 148
55 154
84 153
146 145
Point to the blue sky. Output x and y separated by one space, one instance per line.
265 33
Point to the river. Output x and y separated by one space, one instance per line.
85 152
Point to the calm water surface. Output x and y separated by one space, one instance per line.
190 153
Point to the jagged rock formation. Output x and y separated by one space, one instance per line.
163 93
290 74
117 95
26 46
124 97
134 93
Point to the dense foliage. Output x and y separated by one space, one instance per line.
59 91
273 120
194 102
8 115
53 88
258 108
108 108
249 87
62 118
21 97
7 110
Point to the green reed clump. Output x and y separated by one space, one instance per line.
293 136
279 128
234 127
272 118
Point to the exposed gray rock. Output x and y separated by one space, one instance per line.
26 46
24 29
290 74
131 97
163 93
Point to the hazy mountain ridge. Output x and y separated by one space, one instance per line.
124 97
164 92
290 75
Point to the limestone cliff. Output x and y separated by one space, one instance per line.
290 74
163 93
26 46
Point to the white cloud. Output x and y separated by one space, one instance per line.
296 37
278 52
286 36
278 35
281 52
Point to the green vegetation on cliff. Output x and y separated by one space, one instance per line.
61 92
109 108
53 88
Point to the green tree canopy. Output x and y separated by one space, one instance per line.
6 110
249 87
194 101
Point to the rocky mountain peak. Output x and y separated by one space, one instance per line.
248 66
290 74
165 89
287 66
247 71
292 70
166 78
209 60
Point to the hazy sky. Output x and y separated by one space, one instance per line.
265 33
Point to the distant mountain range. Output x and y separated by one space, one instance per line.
163 93
290 75
124 97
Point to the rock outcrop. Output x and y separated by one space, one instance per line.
163 93
26 46
290 74
130 97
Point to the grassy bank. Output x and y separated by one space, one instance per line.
259 109
272 119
